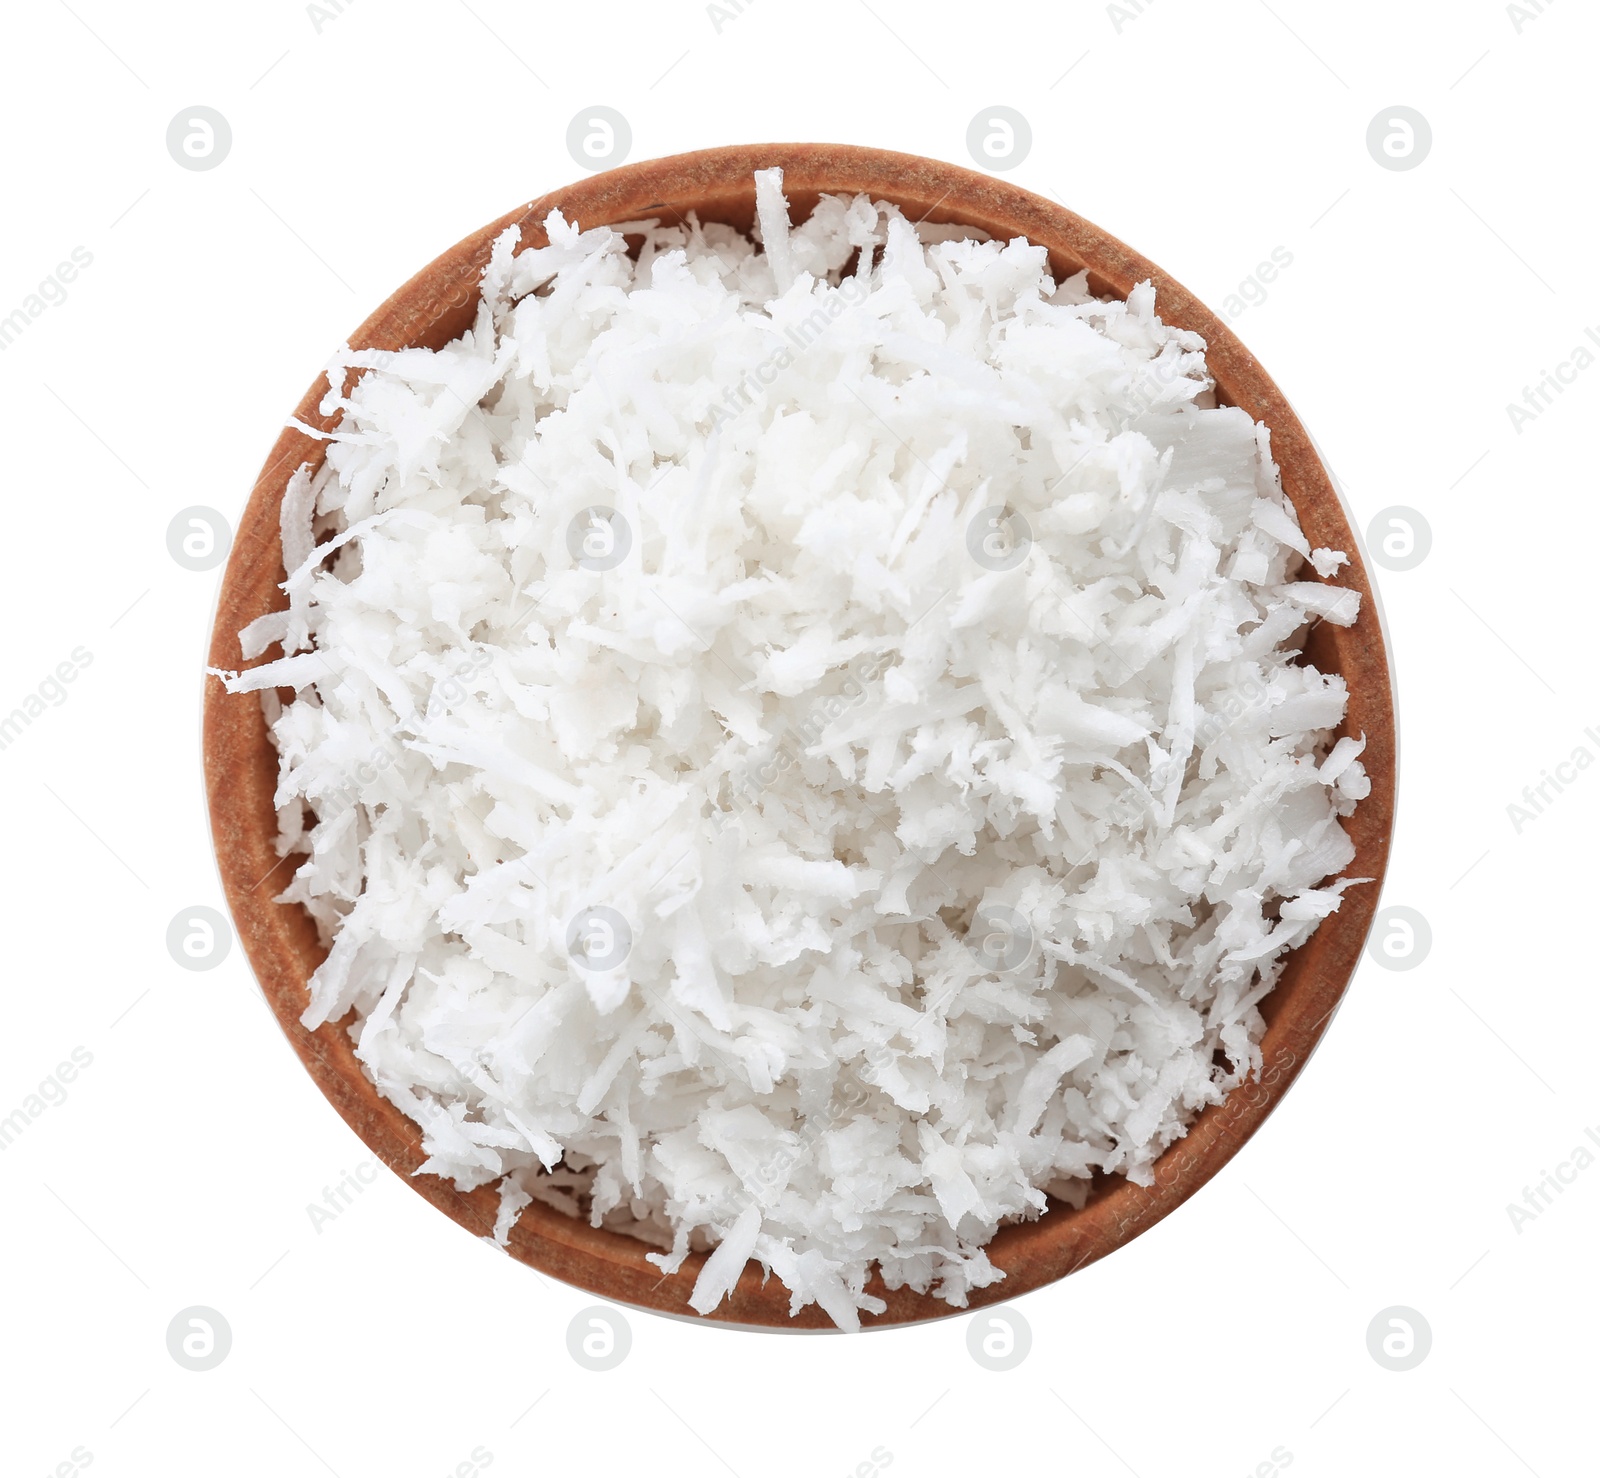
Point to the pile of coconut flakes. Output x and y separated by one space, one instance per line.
798 746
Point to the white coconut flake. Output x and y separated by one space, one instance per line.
1327 562
800 752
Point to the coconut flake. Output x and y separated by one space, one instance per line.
800 763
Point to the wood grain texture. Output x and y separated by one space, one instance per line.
435 306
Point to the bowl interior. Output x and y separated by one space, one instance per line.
436 306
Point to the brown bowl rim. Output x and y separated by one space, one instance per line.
240 762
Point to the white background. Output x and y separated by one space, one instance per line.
179 1169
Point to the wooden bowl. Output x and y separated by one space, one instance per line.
436 306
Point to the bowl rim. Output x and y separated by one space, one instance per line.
240 763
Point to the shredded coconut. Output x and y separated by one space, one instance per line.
800 750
